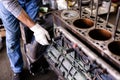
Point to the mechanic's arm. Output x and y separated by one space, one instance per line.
41 35
24 18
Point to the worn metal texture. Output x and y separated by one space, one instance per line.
101 38
72 60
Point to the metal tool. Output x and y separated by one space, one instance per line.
116 22
108 14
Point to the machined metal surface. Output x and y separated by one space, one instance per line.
75 61
98 37
97 34
69 14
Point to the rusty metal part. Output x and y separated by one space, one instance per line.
99 39
97 34
114 46
100 34
91 54
83 23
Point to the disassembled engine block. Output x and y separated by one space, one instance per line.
85 46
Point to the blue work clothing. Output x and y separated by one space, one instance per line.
13 33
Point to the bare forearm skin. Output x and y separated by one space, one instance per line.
14 7
25 19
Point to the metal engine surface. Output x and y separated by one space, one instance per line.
84 51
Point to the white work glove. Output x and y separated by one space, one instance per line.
41 35
62 4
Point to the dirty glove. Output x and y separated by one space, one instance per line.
41 35
61 4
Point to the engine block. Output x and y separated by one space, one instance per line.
85 46
72 60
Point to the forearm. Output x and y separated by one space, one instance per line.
14 7
25 19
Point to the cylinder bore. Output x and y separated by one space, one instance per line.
114 47
100 34
69 14
83 23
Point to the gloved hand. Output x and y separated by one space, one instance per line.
61 4
41 35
